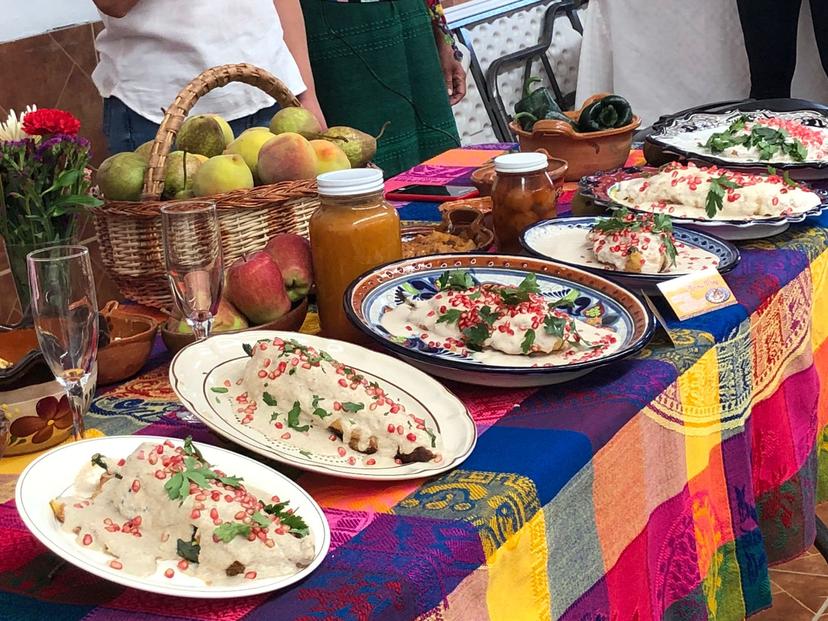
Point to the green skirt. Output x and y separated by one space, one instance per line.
375 62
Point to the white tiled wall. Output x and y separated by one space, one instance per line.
502 35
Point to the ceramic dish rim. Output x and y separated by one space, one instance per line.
634 346
309 466
657 139
587 188
736 256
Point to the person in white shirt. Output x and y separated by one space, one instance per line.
150 49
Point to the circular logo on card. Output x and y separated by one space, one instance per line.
717 295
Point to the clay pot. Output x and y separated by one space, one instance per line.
130 344
586 152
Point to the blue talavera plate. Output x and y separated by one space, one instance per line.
544 240
600 302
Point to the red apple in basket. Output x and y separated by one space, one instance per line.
293 256
255 286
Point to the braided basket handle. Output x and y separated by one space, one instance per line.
216 77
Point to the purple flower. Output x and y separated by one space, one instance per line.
58 142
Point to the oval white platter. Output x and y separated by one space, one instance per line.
52 475
202 366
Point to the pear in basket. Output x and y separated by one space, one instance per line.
179 170
248 145
144 149
222 173
206 134
358 146
121 176
287 157
297 121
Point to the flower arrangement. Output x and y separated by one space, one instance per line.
43 180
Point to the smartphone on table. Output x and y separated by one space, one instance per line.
433 193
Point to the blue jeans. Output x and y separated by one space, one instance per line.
126 130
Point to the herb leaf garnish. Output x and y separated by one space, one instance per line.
296 525
293 418
718 188
230 530
528 340
452 315
352 407
269 399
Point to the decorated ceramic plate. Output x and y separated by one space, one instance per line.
796 141
498 320
623 187
53 475
565 240
323 405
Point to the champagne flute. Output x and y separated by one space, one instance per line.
192 249
65 313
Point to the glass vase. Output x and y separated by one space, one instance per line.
17 264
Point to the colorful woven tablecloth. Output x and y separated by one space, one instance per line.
658 488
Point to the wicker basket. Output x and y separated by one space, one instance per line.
129 233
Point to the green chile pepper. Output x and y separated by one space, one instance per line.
527 120
608 113
539 102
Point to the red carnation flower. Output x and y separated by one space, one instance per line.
47 121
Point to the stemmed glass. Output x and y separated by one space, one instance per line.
65 313
192 249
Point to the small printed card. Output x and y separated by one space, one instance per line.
697 293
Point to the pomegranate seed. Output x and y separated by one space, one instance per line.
214 513
87 539
136 485
152 459
391 428
286 436
341 451
228 498
352 460
250 575
269 543
137 520
240 515
159 449
116 564
121 461
262 374
183 564
371 461
411 437
169 573
160 474
400 429
195 514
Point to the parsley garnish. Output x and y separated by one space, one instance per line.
230 530
195 471
554 326
318 411
269 399
296 525
293 418
260 518
528 340
718 187
456 279
766 140
352 407
488 315
432 436
476 335
567 300
513 296
98 460
450 316
220 389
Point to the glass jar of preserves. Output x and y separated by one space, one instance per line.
353 230
522 194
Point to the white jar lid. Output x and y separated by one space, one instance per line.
520 162
350 182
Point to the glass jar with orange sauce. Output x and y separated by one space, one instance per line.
353 230
522 195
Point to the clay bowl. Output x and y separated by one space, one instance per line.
291 322
130 344
483 178
34 411
586 153
463 221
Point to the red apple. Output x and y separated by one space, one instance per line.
293 255
255 286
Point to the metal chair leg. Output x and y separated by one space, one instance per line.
821 541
